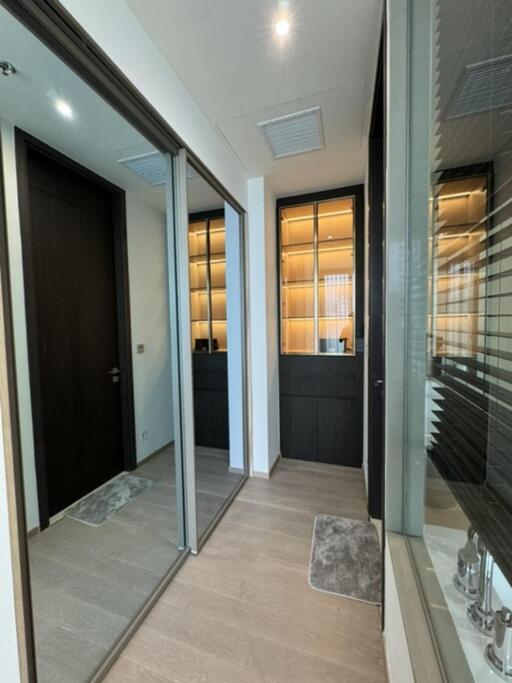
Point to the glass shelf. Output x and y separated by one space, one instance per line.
207 258
317 272
459 228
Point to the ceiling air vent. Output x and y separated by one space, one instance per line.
294 133
150 167
483 86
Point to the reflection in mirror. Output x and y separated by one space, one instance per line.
85 198
215 266
462 525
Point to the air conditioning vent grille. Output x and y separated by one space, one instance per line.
483 86
150 167
294 133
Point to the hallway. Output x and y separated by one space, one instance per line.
243 612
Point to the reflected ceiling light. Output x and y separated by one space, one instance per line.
64 109
282 23
282 27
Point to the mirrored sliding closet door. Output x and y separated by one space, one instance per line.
87 229
215 259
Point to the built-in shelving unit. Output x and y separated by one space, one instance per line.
207 252
317 277
459 244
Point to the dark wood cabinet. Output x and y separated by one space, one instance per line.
211 413
321 333
321 409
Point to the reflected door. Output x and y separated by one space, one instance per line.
76 378
321 304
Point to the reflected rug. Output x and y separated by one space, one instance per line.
99 506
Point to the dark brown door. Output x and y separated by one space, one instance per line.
69 241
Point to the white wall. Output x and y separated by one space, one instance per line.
149 309
117 31
235 339
19 321
271 281
264 356
9 659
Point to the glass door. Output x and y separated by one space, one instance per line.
317 278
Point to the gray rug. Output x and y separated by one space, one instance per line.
98 507
346 558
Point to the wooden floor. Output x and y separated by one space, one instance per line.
89 582
243 612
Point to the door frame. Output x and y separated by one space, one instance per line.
376 299
25 143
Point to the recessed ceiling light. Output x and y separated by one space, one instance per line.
64 109
6 68
282 27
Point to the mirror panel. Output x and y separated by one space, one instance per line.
87 239
217 338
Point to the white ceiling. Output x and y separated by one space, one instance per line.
96 137
226 55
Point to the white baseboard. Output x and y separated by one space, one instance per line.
236 470
267 475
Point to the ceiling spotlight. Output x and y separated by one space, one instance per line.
282 27
64 109
6 68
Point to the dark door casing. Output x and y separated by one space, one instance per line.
79 368
321 396
376 237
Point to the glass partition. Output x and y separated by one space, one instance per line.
458 481
87 238
217 336
317 277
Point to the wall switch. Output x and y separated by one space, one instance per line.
145 435
140 348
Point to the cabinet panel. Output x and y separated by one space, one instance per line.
211 412
335 418
298 427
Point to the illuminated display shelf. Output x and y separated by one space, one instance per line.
207 264
317 275
457 244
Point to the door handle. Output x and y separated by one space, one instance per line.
378 382
114 372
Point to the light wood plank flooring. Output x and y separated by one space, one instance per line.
243 612
89 582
